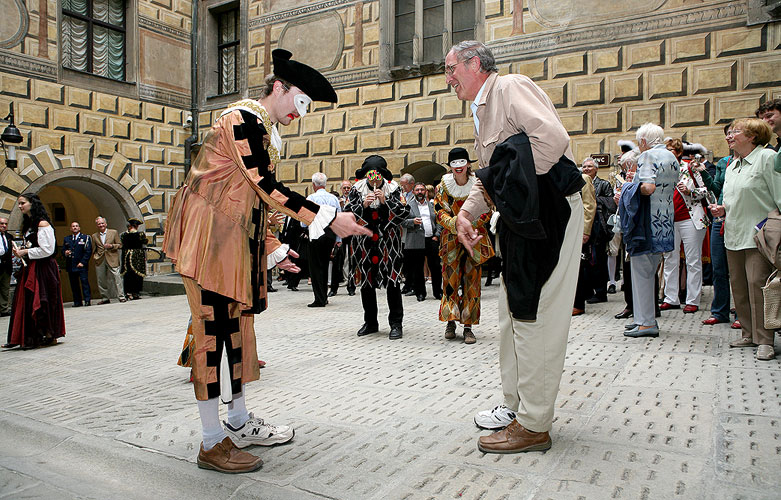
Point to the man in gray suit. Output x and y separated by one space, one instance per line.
422 242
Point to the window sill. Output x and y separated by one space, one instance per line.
416 71
99 83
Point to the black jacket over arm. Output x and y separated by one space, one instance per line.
534 214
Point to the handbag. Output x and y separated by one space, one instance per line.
772 294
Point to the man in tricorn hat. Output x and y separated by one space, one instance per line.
377 203
221 247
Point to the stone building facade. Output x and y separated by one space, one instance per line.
688 65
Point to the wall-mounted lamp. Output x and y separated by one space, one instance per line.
12 137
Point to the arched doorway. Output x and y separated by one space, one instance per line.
80 194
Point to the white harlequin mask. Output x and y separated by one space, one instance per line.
458 163
302 102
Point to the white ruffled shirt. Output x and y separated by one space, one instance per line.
46 243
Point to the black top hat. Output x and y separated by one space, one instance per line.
374 162
458 154
308 79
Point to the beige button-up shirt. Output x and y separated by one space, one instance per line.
508 105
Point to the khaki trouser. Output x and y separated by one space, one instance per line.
748 272
531 354
109 281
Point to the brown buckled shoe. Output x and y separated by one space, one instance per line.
225 457
514 439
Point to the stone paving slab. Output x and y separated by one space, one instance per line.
108 414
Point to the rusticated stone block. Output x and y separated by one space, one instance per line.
410 88
761 72
154 154
129 108
536 69
345 144
44 157
308 167
394 114
741 41
436 84
297 148
291 130
48 139
718 77
667 83
347 97
424 110
78 98
376 141
727 108
155 113
690 113
362 118
93 124
173 116
174 156
15 86
321 146
451 107
645 113
464 132
410 137
142 191
117 166
610 59
586 146
646 54
335 121
11 181
569 65
29 168
164 177
576 122
395 162
287 171
130 150
711 138
588 91
607 120
321 106
118 128
142 132
165 135
48 92
382 92
437 134
557 91
312 124
691 48
144 174
65 119
106 103
82 153
32 115
157 201
626 87
334 168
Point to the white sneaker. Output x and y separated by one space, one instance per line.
257 432
495 419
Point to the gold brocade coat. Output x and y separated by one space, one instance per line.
216 231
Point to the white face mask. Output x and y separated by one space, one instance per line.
458 163
301 102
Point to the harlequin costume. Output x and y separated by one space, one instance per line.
459 270
376 260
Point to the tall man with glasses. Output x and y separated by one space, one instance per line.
528 172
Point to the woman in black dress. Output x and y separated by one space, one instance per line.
133 259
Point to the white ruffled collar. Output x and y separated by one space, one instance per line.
456 190
363 188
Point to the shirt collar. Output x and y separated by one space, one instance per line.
478 98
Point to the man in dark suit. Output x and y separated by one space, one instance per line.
6 266
422 242
77 249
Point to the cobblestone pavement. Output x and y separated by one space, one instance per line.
108 414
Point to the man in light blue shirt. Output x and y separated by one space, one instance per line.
319 250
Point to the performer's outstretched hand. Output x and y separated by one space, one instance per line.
287 264
344 225
467 235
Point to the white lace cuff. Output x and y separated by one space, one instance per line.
324 217
277 256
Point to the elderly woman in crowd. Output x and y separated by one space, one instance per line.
752 188
690 227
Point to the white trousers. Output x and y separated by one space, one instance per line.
692 249
531 353
110 282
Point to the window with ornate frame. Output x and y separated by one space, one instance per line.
228 50
94 37
415 35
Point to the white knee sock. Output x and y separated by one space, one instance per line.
237 411
212 430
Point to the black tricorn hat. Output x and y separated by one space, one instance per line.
308 79
374 162
134 221
459 154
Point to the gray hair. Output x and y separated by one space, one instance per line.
468 49
101 217
408 178
319 179
629 158
651 132
589 159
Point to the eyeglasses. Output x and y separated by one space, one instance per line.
734 132
450 68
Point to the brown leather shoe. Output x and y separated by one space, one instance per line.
469 337
225 457
514 439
